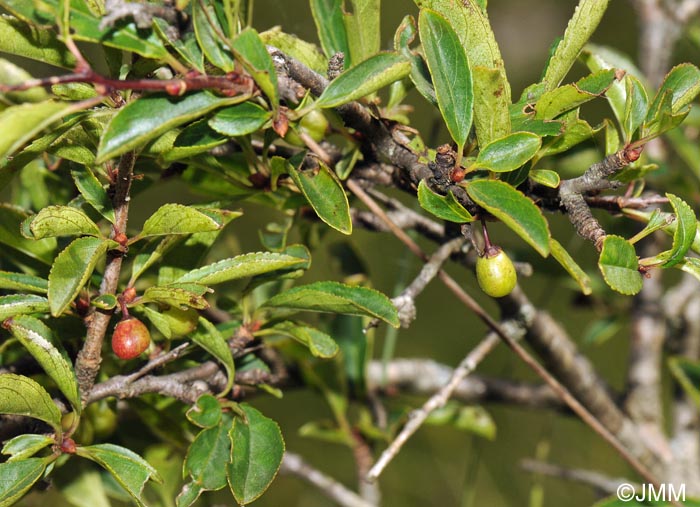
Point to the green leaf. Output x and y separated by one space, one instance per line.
319 343
23 122
452 77
683 85
21 39
55 221
241 266
472 26
93 191
569 264
71 269
194 139
565 98
16 477
364 78
176 296
37 338
11 74
473 419
86 490
684 234
325 194
363 28
129 469
208 32
445 207
585 20
257 448
306 52
18 304
574 132
179 219
328 17
20 395
206 412
636 104
661 118
251 52
514 209
334 297
22 447
207 459
10 221
619 264
23 282
239 120
509 152
148 117
211 340
545 177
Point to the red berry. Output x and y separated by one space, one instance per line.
130 338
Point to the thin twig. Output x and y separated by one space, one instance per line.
602 483
158 361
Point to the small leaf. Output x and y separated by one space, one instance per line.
206 412
334 297
20 395
364 78
514 209
509 152
93 191
208 36
10 221
105 301
684 234
545 177
211 340
306 52
22 447
129 469
179 219
325 194
690 265
452 77
251 52
16 477
319 343
241 266
565 98
176 296
328 17
573 133
71 269
473 419
239 120
37 338
620 267
445 207
636 104
148 117
18 304
569 264
683 85
23 282
56 221
585 20
257 448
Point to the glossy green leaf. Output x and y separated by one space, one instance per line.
569 264
444 207
670 226
206 412
104 301
509 152
38 339
239 120
685 230
179 219
194 139
319 343
23 282
10 221
19 304
328 17
514 209
175 296
661 117
452 77
25 446
636 104
364 78
545 177
599 58
363 28
682 83
16 477
21 395
257 448
208 456
334 297
241 266
420 74
619 264
21 39
325 194
71 270
565 98
208 32
251 52
306 52
472 26
148 117
581 26
211 340
575 131
129 469
23 122
55 221
92 191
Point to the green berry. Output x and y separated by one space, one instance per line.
314 123
495 273
181 322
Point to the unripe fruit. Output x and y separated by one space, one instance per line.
495 273
314 123
130 338
181 322
103 418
